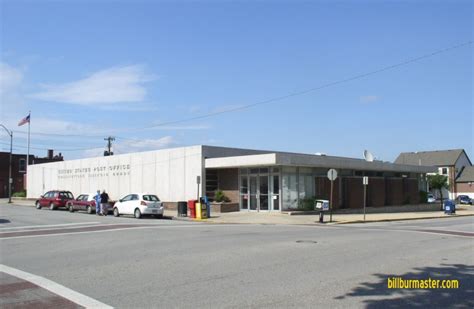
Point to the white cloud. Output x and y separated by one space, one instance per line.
60 127
10 78
144 144
128 146
369 99
109 86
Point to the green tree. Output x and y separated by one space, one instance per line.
439 182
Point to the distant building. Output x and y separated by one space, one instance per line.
465 182
450 163
19 169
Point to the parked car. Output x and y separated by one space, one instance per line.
54 199
139 204
464 199
84 202
431 198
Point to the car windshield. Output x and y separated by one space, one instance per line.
152 198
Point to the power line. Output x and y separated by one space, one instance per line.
18 147
272 100
327 85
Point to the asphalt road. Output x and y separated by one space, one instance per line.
129 263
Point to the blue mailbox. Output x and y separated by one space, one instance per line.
449 207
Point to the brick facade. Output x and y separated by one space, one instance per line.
349 191
228 182
465 187
18 184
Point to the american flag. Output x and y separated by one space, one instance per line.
24 120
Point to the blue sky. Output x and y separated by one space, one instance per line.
100 68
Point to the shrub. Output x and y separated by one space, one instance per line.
19 194
307 203
423 197
221 197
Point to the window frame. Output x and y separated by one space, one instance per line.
22 161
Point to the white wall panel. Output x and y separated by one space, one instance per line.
169 173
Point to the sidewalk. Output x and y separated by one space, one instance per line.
283 218
277 218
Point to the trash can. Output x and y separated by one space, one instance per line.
182 209
198 211
192 208
449 207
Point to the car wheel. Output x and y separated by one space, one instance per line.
51 206
38 205
137 213
89 210
116 212
70 208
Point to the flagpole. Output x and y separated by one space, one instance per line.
28 151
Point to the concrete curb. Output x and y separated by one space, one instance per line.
187 219
402 219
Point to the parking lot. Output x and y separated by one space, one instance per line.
124 262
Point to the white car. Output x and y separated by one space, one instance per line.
139 204
431 198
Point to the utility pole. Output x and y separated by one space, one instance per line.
10 180
109 140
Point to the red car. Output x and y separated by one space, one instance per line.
82 202
54 199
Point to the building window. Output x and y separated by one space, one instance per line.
22 165
444 171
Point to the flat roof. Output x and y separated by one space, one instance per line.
307 160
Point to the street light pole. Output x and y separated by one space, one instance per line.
10 168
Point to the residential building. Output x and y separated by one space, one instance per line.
19 169
465 182
450 163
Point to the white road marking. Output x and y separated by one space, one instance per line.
415 231
113 230
45 226
54 287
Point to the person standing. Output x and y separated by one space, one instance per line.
97 203
104 202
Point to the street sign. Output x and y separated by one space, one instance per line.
365 182
332 174
198 179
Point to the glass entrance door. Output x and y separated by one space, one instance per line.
253 192
263 192
259 189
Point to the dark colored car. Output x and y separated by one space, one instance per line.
54 199
84 202
464 199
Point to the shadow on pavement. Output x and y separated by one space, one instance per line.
463 297
2 221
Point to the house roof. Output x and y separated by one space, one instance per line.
467 175
430 158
